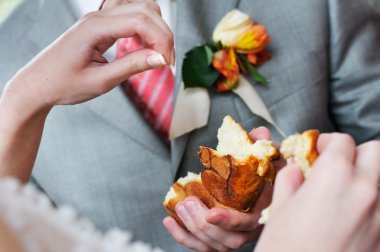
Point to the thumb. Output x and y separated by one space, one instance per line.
288 180
260 133
132 63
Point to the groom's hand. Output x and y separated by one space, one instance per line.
219 229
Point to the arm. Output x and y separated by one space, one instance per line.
79 77
22 122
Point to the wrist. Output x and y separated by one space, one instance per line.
23 97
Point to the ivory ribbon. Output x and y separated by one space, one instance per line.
191 111
192 108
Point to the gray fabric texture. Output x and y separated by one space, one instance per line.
102 157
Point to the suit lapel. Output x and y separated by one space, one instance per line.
196 20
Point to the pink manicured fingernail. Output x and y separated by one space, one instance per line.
191 206
181 211
156 60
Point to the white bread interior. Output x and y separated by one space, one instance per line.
234 141
298 146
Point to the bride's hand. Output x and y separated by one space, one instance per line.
72 69
336 209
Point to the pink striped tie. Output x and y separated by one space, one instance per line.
151 91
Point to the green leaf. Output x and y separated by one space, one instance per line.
209 55
197 70
252 70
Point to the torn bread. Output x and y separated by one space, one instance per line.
303 149
234 175
236 172
191 185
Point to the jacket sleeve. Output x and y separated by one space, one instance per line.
355 68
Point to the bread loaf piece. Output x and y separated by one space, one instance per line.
234 175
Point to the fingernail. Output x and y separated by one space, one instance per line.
156 60
181 211
172 57
191 206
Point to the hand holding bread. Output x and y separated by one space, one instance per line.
335 209
234 175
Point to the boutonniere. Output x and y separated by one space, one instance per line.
238 47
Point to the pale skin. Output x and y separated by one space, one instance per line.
84 75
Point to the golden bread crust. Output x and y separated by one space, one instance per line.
233 182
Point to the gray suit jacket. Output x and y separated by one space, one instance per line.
101 156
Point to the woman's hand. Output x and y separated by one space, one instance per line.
336 209
73 70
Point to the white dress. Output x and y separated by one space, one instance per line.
40 227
